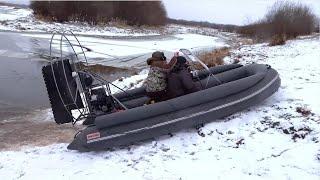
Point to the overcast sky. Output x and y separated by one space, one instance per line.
237 12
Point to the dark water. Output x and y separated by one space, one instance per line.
22 87
21 84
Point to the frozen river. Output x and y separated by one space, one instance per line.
21 83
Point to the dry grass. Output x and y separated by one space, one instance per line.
278 40
118 23
43 18
212 58
109 73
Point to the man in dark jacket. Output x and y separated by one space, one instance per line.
180 80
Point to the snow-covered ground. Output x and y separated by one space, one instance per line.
11 13
278 139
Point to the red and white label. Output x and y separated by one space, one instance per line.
93 136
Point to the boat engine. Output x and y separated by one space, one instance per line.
100 101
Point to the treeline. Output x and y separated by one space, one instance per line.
224 27
94 12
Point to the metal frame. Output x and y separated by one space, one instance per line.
188 53
87 110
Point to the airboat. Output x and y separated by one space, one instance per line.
121 118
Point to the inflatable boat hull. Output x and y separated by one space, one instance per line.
241 88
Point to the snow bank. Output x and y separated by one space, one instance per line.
22 20
298 63
11 13
16 19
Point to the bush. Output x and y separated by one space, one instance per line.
132 12
258 30
141 12
287 19
291 19
278 40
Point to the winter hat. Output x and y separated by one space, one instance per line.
156 56
181 63
181 60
